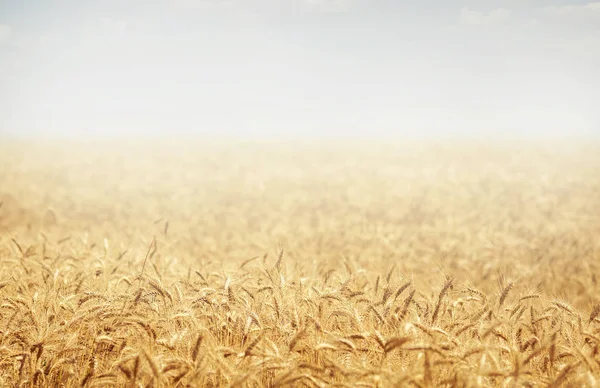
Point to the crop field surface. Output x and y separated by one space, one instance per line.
162 263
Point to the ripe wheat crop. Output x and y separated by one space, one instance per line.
248 264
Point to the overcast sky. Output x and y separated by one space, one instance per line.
299 66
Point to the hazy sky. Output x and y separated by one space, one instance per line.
299 66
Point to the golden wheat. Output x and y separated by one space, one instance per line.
244 265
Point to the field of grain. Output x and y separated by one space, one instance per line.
181 263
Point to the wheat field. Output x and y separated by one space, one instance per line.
162 263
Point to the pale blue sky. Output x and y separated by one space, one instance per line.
299 66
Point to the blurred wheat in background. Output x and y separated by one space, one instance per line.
315 264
